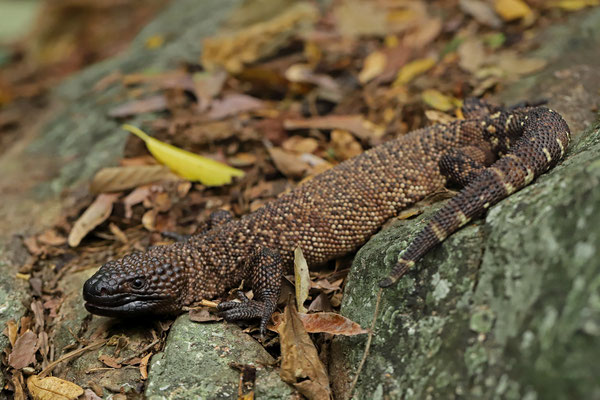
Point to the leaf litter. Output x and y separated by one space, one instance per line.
272 102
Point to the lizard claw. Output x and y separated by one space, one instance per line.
244 310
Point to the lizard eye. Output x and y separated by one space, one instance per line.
137 283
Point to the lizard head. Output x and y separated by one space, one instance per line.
137 284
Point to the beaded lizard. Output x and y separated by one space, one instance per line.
491 153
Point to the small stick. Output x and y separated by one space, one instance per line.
71 355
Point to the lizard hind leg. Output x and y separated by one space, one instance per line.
265 270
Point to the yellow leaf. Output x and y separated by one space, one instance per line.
302 278
373 66
512 9
433 98
52 388
413 69
574 5
188 165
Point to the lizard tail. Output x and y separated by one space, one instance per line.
545 136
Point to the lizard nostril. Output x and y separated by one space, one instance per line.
103 291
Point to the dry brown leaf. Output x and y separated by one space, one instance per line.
320 303
344 144
52 388
373 66
302 279
208 85
119 234
11 332
93 216
300 363
137 196
109 361
232 50
203 315
471 55
242 160
425 33
52 237
438 117
232 104
326 322
90 395
144 366
356 124
481 11
356 18
114 179
304 73
23 352
32 246
300 144
513 65
288 163
150 104
324 284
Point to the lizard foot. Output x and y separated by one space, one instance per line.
246 309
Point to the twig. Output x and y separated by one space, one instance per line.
367 345
71 355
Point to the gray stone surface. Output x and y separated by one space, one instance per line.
507 308
195 364
59 151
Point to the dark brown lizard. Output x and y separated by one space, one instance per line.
492 153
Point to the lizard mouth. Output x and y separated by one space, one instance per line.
126 305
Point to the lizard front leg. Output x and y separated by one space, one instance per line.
265 270
463 165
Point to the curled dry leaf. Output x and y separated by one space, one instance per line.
288 163
203 315
137 196
300 144
326 322
12 331
114 179
344 144
471 55
373 66
302 278
93 216
481 11
300 363
52 237
356 124
23 352
90 395
52 388
109 361
144 366
150 104
233 104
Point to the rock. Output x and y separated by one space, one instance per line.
508 307
195 364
